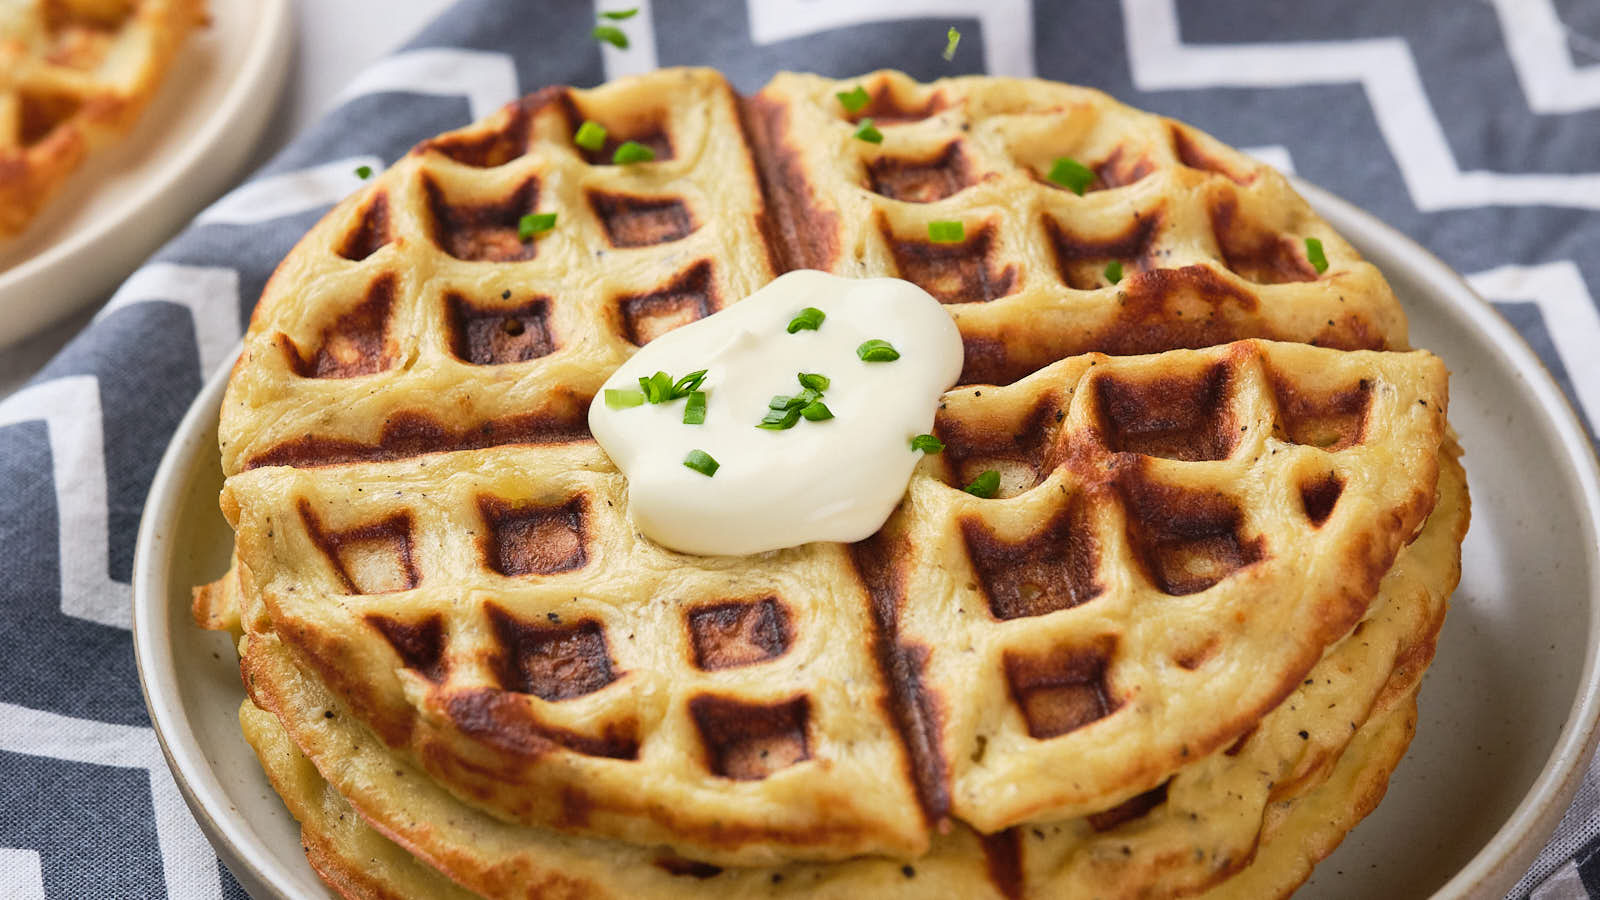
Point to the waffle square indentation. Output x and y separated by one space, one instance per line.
750 741
495 335
550 661
1063 690
740 633
534 539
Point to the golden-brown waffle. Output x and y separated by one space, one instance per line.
493 612
74 75
1200 831
1211 243
427 532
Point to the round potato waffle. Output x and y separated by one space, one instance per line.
1327 749
440 579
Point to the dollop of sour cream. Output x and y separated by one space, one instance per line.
831 480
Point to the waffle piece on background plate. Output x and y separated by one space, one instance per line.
74 76
426 531
1230 817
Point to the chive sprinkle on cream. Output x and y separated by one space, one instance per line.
612 35
624 398
853 100
1114 271
943 232
363 172
877 350
985 485
694 411
808 319
701 462
590 136
927 443
1071 174
632 152
1315 256
620 14
534 224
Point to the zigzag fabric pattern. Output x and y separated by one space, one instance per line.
1469 126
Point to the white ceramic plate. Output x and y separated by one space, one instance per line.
1508 709
188 146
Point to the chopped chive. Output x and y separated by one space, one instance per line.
612 35
534 223
363 172
816 411
952 39
1071 174
694 411
985 485
813 381
877 350
1114 271
927 443
854 99
781 402
808 319
780 419
1314 254
688 384
623 399
590 136
945 232
701 462
869 132
657 388
620 14
632 152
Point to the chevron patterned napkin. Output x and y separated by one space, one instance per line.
1462 124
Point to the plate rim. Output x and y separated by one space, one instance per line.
207 160
1491 871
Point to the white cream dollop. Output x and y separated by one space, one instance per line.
834 480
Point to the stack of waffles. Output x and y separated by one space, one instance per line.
1177 653
74 76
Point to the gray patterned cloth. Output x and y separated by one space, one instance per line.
1471 126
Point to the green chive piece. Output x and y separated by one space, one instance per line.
623 399
944 232
612 35
701 462
363 172
813 381
877 350
927 443
869 132
1071 174
952 39
780 402
1314 254
657 388
816 411
620 14
534 223
590 136
854 99
688 384
779 419
694 411
985 485
808 319
1114 271
632 152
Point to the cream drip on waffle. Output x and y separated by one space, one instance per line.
829 479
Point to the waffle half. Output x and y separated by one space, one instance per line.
431 549
74 76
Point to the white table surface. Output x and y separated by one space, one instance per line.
334 39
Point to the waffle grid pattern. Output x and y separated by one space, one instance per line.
74 75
